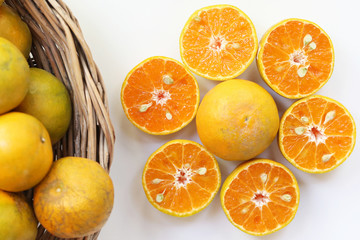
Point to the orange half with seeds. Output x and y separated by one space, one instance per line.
181 178
296 58
218 42
159 96
260 197
317 134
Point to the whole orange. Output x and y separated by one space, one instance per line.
75 199
15 30
14 73
237 120
48 100
25 152
17 219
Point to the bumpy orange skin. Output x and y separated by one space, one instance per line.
17 219
237 120
25 152
75 199
15 30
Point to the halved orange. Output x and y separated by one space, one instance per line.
218 42
317 134
181 178
260 197
296 58
159 96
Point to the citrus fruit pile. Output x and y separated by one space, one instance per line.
72 197
238 119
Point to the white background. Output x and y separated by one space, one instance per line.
122 33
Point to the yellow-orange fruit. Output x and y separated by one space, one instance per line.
17 219
237 120
75 199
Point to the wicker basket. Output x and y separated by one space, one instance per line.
59 47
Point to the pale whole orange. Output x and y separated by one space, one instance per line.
237 120
75 199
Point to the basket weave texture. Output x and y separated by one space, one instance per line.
59 47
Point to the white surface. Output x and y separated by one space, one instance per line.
123 33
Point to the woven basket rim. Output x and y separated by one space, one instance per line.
60 48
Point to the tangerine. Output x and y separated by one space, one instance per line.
260 197
14 73
181 178
15 30
17 219
317 134
296 58
48 100
25 151
75 199
218 42
237 120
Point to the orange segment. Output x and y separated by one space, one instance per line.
280 212
280 39
181 178
294 30
294 144
218 42
306 158
278 178
268 218
317 107
296 58
260 197
238 213
277 196
317 134
159 96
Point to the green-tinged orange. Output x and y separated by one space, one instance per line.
15 30
48 100
17 219
14 73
